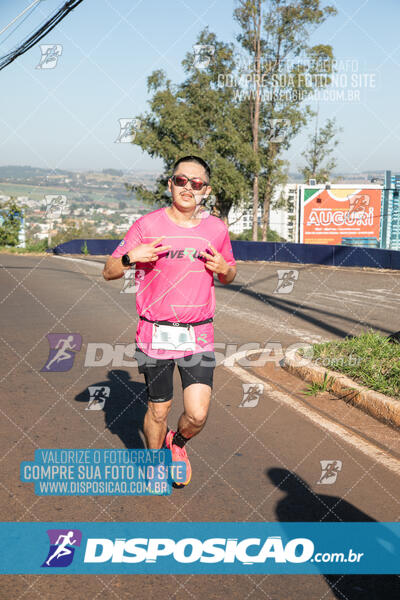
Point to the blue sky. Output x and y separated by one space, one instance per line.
67 117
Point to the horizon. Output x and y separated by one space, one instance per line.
160 171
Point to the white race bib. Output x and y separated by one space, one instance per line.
173 337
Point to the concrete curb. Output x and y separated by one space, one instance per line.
377 405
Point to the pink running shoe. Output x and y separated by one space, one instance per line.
179 454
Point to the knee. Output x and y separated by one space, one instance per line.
197 418
159 412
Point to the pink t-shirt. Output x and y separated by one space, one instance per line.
177 287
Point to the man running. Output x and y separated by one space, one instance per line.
176 251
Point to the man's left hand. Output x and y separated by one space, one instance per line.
215 261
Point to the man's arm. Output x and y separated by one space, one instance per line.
114 269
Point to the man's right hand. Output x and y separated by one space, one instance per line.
147 252
143 253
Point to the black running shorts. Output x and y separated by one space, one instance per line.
158 372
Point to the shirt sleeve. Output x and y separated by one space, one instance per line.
132 239
226 248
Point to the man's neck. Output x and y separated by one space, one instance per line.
184 218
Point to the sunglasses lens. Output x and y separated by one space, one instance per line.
197 184
179 180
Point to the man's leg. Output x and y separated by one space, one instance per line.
158 375
155 423
196 402
196 373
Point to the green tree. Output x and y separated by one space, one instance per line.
281 72
10 222
319 151
198 116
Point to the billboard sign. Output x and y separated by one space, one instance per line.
329 215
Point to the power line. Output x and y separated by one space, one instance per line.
27 15
48 26
20 15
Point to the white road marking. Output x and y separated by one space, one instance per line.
370 450
276 325
362 298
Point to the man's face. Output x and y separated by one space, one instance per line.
184 197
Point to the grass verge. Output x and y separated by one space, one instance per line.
31 247
369 359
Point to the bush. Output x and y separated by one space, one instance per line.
33 245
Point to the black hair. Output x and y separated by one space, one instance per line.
195 159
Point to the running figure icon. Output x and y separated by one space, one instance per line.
62 346
62 549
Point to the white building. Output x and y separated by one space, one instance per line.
241 219
284 220
130 218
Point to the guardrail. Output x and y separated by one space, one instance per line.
319 254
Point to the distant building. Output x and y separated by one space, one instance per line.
130 218
241 219
284 220
390 221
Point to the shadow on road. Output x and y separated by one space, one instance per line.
298 310
301 504
125 407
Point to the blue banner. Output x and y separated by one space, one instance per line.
200 548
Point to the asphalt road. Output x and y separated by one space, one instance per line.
251 463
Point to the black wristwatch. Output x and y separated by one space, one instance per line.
126 261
